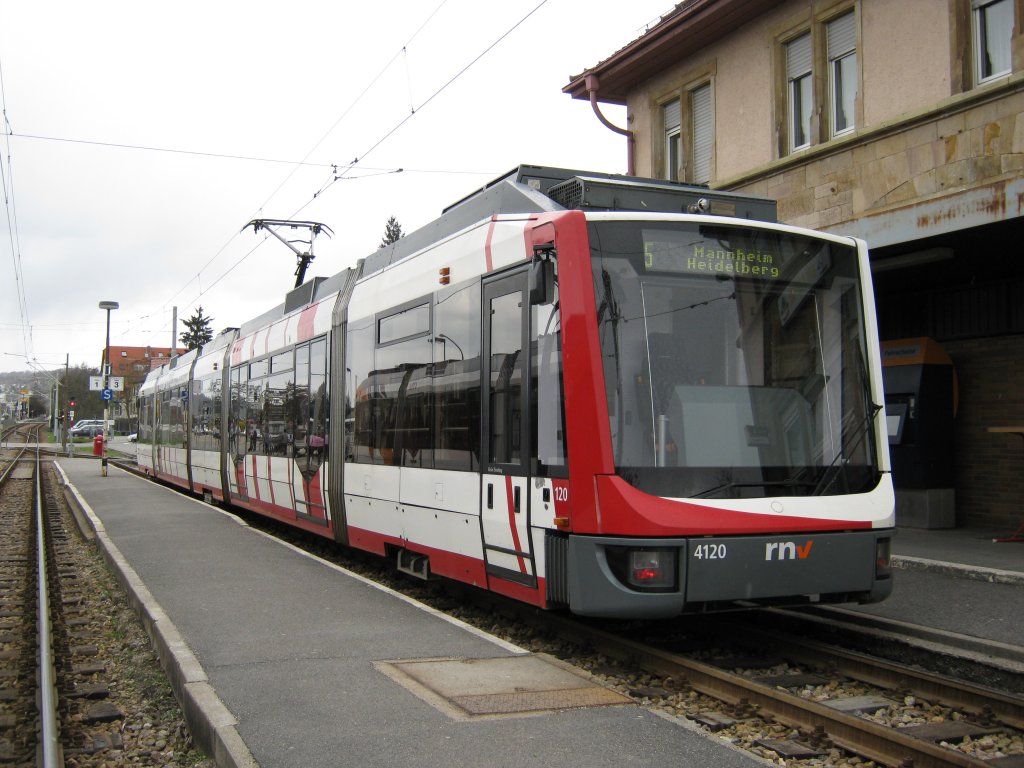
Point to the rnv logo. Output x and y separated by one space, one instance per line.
787 550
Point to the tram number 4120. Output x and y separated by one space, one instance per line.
709 552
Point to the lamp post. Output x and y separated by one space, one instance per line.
107 305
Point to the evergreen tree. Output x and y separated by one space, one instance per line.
199 331
392 232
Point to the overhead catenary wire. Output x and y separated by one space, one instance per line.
14 239
169 150
433 96
205 277
343 175
291 173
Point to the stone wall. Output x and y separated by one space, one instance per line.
969 142
989 467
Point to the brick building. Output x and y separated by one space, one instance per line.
133 363
898 122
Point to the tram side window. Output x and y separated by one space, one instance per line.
239 412
456 378
254 396
319 402
205 404
309 404
300 402
403 431
277 423
159 406
506 396
172 418
146 420
546 383
178 415
358 365
416 377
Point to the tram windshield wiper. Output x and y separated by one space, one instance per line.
834 469
787 483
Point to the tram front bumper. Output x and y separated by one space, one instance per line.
656 578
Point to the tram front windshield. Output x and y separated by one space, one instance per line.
734 360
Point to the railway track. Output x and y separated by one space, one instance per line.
28 700
63 696
804 701
823 695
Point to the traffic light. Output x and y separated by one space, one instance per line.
71 403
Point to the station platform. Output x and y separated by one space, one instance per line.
972 553
958 581
281 659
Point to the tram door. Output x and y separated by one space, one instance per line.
504 488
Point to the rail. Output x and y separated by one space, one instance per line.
49 752
52 753
863 737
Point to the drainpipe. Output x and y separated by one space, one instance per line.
592 86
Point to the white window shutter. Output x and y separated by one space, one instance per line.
703 136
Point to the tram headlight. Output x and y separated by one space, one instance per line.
644 569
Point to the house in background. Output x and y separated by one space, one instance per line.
134 363
898 122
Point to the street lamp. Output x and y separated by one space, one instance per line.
107 305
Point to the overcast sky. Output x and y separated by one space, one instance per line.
142 136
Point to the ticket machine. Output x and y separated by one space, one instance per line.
920 405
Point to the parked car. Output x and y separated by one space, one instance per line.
81 428
88 428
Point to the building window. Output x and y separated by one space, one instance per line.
821 79
673 139
702 133
799 91
842 72
993 26
124 354
687 155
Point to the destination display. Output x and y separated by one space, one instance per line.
690 253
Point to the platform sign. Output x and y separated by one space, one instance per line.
96 383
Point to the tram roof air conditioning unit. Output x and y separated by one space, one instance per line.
591 193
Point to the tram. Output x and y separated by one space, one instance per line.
622 397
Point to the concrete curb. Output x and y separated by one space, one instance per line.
212 724
975 572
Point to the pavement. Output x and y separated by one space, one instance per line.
959 582
281 659
970 553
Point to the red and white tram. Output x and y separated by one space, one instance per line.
626 397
